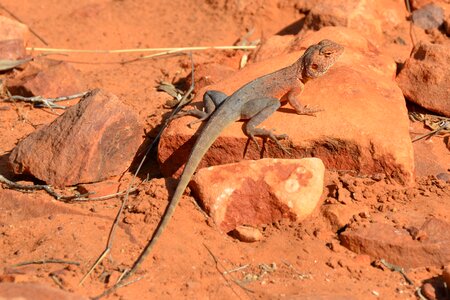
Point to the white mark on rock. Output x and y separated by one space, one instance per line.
300 170
223 197
291 185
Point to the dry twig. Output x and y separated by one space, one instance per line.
46 261
72 198
218 263
39 101
136 50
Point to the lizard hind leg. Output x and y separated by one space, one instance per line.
256 111
211 100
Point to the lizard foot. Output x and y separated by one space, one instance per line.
270 135
201 115
309 111
276 139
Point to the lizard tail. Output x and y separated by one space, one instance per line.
206 138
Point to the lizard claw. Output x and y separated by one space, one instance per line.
194 122
309 111
252 137
277 141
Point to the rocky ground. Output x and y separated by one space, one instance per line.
367 217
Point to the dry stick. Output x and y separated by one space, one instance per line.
40 101
412 33
218 263
50 191
134 50
46 261
443 125
57 281
29 28
185 100
35 187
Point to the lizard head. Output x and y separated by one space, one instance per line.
318 58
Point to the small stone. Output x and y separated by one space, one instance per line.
446 276
428 291
247 234
428 16
339 215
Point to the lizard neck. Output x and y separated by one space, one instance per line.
299 70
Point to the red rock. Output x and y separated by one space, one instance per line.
359 87
11 30
425 79
398 247
34 291
91 141
264 191
12 49
48 79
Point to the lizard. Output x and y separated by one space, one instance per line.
254 102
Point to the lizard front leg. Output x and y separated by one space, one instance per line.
293 97
256 111
211 100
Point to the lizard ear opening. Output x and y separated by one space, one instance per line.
314 66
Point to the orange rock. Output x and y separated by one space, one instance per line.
91 141
364 126
260 192
425 79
